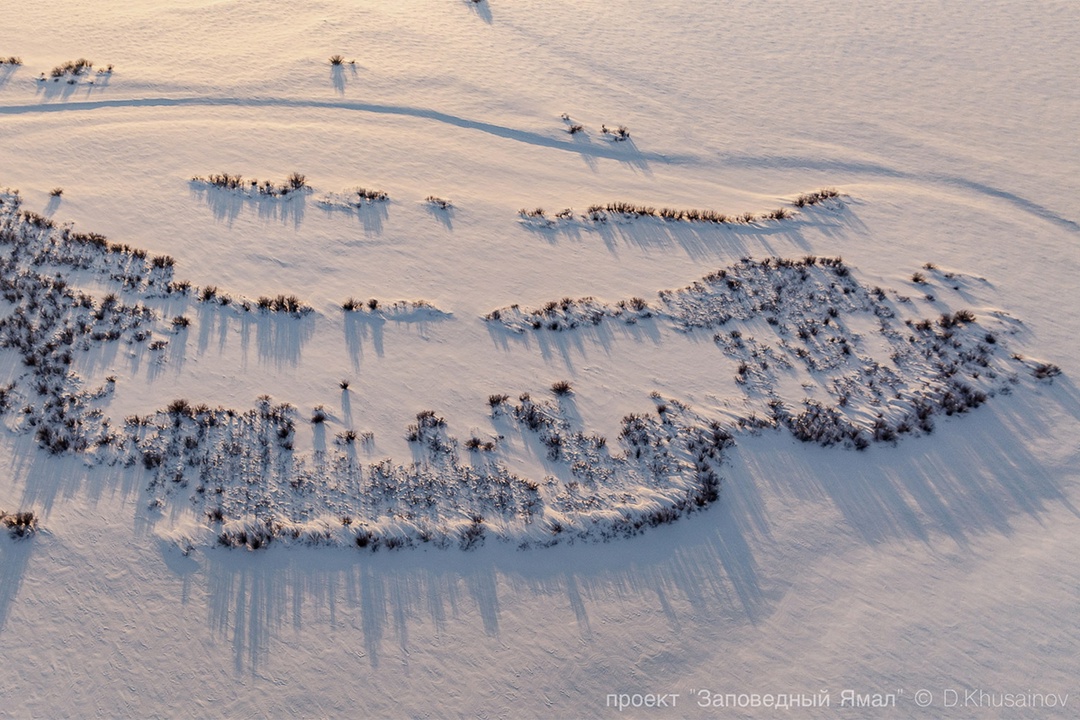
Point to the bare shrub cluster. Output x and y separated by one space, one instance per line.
19 524
815 198
296 182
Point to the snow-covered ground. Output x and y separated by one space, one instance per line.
532 557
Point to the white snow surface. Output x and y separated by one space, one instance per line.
943 561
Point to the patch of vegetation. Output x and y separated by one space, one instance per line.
816 198
618 133
1045 371
355 199
283 304
19 524
629 211
562 388
237 468
253 187
71 67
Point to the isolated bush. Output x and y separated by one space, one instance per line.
562 387
19 524
1045 371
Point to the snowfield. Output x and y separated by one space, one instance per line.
539 360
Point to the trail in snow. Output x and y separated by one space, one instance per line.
799 162
626 152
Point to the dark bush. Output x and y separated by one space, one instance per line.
561 388
20 524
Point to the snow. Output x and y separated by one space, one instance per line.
940 561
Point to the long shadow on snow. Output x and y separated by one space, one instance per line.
970 478
371 216
254 596
6 73
572 346
630 155
45 479
705 242
14 559
974 475
874 169
362 328
281 340
481 8
226 205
